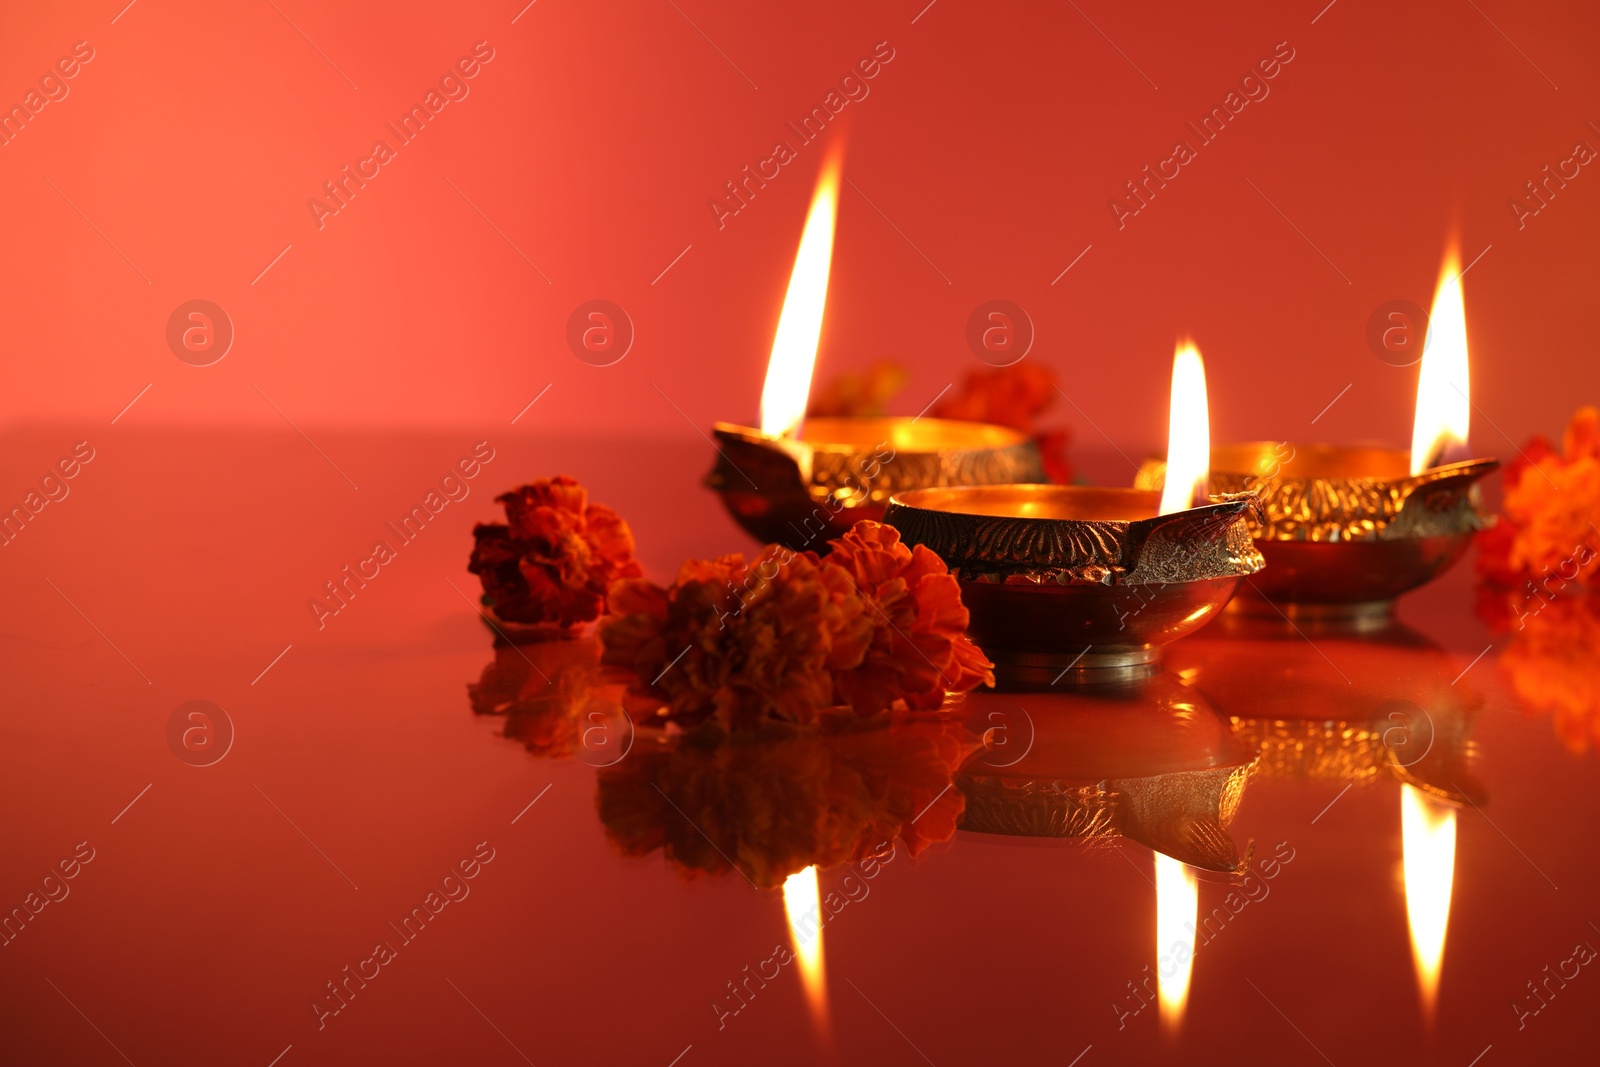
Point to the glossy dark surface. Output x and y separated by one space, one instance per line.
221 899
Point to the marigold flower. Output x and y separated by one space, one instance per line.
552 563
1550 529
866 393
874 625
920 649
737 642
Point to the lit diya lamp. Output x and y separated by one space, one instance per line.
800 481
1075 581
1346 530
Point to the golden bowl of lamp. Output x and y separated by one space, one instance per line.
1346 529
802 491
1066 583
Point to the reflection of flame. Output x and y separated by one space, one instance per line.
802 902
1188 433
1177 909
1439 434
1428 835
794 347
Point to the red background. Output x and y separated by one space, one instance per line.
595 139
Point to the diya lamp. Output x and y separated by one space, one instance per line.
1075 581
800 481
1347 529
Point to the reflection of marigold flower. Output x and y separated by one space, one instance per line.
867 393
556 556
1552 509
776 799
919 644
1552 661
542 691
789 634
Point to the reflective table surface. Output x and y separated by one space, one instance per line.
240 830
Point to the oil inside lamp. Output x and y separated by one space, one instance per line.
1428 840
802 904
1177 911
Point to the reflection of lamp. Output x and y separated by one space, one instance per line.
802 905
1354 706
1428 836
1153 762
1177 908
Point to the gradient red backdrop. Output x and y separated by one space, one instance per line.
982 161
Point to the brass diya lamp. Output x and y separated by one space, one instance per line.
1153 762
800 481
1067 582
1347 529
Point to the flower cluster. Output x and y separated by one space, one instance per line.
1550 529
555 558
875 625
1015 396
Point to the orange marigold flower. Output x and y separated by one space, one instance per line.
1012 396
1551 511
735 642
875 625
553 561
920 649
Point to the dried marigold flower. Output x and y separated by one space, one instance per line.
551 564
737 643
875 625
920 649
1550 529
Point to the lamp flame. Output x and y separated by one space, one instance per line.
1188 433
794 346
1428 837
1444 410
802 904
1177 910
